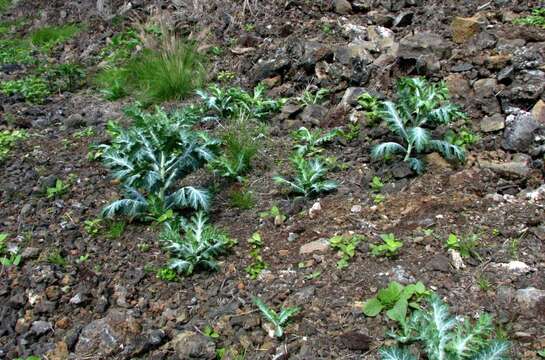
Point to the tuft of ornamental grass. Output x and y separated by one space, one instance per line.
172 72
50 36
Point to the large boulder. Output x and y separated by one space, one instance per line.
519 131
109 335
424 48
190 345
464 29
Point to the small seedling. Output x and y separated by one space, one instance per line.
87 132
58 190
372 107
258 265
389 248
226 76
314 275
378 198
56 258
536 19
396 299
167 274
376 184
275 213
465 245
116 229
346 245
483 283
241 199
541 353
10 257
209 331
143 247
82 259
92 227
278 320
309 179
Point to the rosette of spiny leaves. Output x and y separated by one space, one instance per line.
311 140
309 179
446 337
199 247
420 106
149 159
236 102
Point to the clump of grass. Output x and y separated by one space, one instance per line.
170 73
536 19
32 88
49 36
4 5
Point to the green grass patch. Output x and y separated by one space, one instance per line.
8 140
4 5
33 89
536 19
15 51
49 36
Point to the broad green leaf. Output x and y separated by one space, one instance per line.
390 294
399 311
372 307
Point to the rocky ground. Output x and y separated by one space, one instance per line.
111 306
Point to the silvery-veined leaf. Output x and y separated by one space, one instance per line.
419 137
448 150
393 120
495 351
395 354
387 149
416 164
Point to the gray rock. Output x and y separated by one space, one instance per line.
313 115
30 253
401 275
506 73
313 52
74 121
353 52
528 85
40 328
342 7
350 97
190 345
383 38
393 5
427 47
439 263
492 123
320 245
404 19
519 131
401 169
529 298
107 336
513 168
462 67
268 68
290 110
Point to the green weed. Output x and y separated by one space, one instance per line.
390 246
8 139
346 245
50 36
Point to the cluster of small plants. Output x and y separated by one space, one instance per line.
346 245
537 18
376 186
257 265
41 78
32 88
8 256
389 247
8 139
